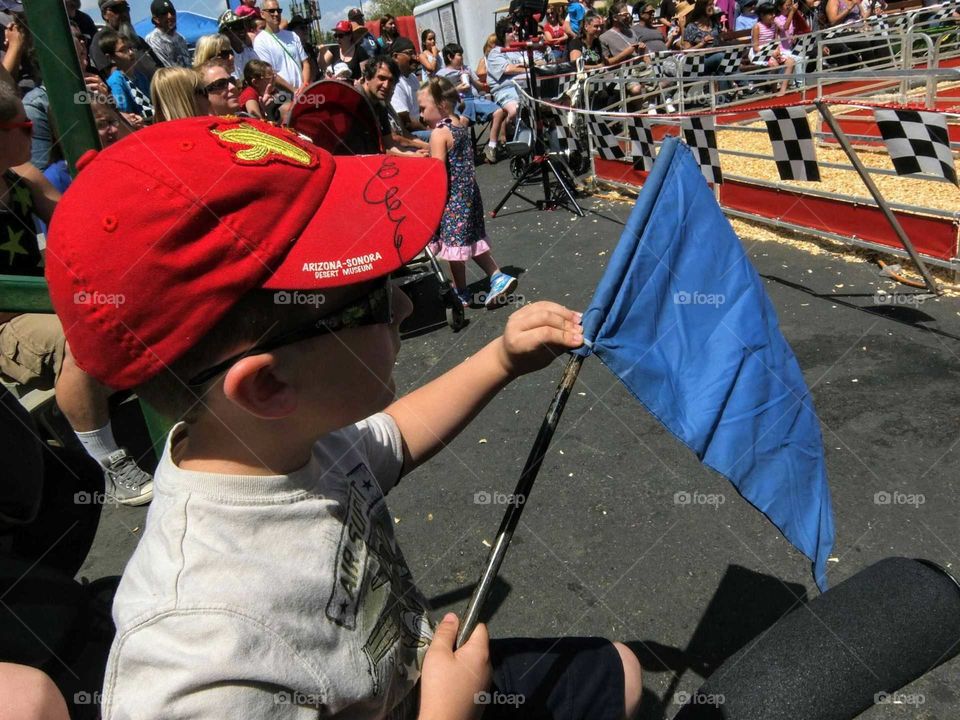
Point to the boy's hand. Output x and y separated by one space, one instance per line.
536 334
451 679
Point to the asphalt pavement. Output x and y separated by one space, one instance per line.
610 542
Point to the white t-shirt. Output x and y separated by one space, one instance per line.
284 51
241 59
271 597
405 96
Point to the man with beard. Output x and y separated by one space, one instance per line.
169 45
380 77
116 15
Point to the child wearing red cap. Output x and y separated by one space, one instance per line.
268 582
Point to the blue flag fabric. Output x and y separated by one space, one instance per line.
682 319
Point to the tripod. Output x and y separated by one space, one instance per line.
553 197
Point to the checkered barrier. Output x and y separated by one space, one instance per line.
693 64
942 14
766 52
604 140
563 135
805 46
700 134
642 149
918 142
730 63
793 148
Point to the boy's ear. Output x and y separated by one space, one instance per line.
254 384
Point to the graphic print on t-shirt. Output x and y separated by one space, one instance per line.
373 591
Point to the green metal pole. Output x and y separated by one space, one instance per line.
63 78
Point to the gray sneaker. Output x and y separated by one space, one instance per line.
127 483
490 154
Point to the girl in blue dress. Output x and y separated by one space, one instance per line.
462 234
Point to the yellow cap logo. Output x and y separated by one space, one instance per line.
261 147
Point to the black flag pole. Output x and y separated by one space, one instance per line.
520 496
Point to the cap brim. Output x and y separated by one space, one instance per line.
378 214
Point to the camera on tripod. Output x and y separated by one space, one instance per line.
525 16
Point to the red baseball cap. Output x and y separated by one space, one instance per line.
343 26
161 233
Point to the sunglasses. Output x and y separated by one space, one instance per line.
225 54
275 11
22 125
341 35
218 86
375 308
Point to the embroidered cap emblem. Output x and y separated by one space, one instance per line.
262 147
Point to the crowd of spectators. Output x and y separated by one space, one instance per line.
259 62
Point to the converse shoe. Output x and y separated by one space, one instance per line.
501 285
127 483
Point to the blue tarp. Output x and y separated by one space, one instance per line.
191 25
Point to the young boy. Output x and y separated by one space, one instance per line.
268 582
129 87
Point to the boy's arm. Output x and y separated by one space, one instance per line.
432 416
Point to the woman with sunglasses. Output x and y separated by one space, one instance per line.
25 195
222 90
346 51
177 92
210 47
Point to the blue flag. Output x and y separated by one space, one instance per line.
681 317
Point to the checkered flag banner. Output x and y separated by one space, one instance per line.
642 148
793 148
561 136
604 140
701 135
146 107
917 142
766 53
566 136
